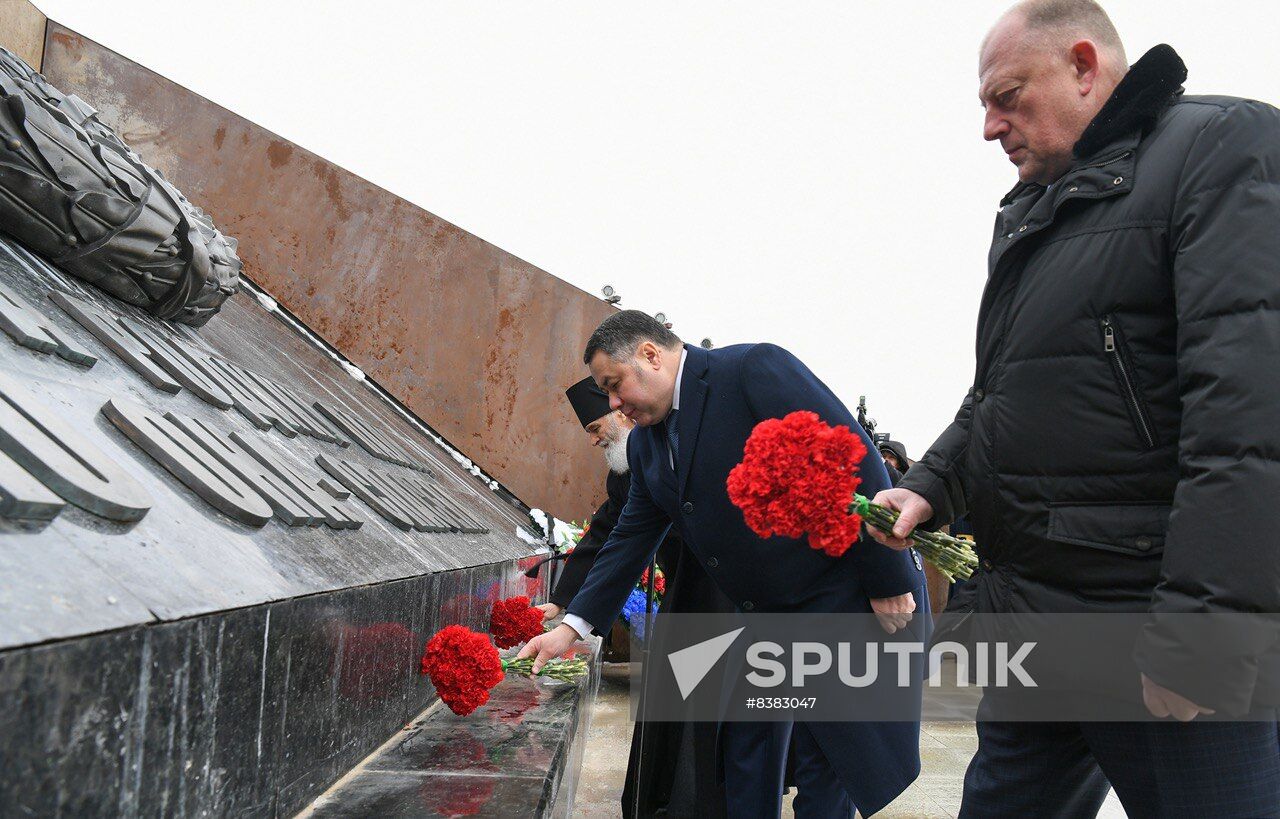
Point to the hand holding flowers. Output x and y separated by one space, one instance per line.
465 665
799 476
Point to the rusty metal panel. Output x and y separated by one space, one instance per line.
480 344
22 30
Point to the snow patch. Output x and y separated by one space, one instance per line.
524 536
352 370
540 518
563 533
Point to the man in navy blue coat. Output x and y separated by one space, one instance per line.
694 410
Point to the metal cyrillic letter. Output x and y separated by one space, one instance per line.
22 496
63 460
188 461
32 330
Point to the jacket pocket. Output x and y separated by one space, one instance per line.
1135 529
1117 351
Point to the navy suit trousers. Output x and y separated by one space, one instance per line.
755 762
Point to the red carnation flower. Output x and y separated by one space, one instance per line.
659 585
463 666
798 475
513 621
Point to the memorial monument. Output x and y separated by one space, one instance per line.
222 544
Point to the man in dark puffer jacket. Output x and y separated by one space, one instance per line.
1120 448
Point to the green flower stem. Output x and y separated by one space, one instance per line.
951 556
564 670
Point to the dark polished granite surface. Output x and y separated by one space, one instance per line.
518 755
83 573
251 712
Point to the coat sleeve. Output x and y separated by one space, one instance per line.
938 476
624 555
777 383
1220 552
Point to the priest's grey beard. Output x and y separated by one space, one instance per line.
615 454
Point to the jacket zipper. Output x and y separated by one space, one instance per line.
1125 374
1023 231
1100 163
1116 158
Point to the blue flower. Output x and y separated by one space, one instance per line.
633 612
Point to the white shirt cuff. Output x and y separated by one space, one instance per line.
579 625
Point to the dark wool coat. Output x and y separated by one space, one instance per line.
1120 447
578 562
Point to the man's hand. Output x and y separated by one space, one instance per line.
1162 702
894 612
548 646
550 611
912 510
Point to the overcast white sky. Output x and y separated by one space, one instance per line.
808 173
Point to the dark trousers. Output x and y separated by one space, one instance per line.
1159 769
755 763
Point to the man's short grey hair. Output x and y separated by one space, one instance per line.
619 335
1081 19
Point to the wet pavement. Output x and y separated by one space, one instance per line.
945 751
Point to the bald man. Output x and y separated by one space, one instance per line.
1119 450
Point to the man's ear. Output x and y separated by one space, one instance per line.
650 354
1084 59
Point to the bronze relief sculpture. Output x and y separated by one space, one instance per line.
75 193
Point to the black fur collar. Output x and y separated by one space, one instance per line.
1137 102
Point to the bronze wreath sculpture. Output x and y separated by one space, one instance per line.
74 193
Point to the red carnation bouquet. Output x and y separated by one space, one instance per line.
514 621
464 666
659 583
799 475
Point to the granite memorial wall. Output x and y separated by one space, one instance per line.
221 552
